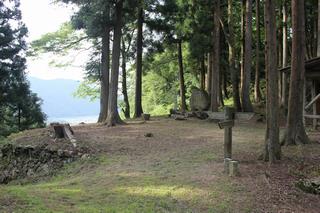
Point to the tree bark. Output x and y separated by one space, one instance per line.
181 78
113 115
257 92
215 83
138 98
246 75
209 74
242 47
105 69
126 110
202 73
318 36
231 58
285 86
225 85
104 79
272 151
296 133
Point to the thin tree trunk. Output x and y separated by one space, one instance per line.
272 146
215 83
104 79
113 115
243 41
138 98
280 56
181 78
233 70
246 75
296 133
209 73
202 73
318 36
19 118
257 92
285 89
126 110
225 85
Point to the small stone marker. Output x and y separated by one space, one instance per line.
226 165
233 168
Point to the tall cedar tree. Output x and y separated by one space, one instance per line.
232 59
284 100
19 108
215 76
296 133
138 96
113 114
246 74
257 92
272 146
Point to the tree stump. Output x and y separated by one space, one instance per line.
62 131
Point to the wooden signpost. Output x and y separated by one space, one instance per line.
230 166
227 125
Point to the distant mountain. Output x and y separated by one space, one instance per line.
58 100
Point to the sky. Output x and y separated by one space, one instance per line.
41 17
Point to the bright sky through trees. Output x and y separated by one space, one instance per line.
42 16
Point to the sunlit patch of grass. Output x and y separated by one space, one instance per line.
179 192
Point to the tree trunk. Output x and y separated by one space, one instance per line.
280 52
126 110
138 98
202 73
284 100
243 28
113 115
318 36
225 85
19 118
272 150
181 78
215 83
209 73
296 133
257 92
104 73
246 75
232 63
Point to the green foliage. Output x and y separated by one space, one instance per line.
88 89
19 108
160 82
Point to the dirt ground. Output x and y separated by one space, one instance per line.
178 169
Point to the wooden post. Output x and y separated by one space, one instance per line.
228 133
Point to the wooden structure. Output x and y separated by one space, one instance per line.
227 125
311 91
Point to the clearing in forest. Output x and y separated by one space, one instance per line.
178 169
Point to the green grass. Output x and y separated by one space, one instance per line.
92 186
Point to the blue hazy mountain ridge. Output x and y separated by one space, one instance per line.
58 99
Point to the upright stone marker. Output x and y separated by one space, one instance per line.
227 125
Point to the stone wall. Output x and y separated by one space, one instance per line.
19 162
